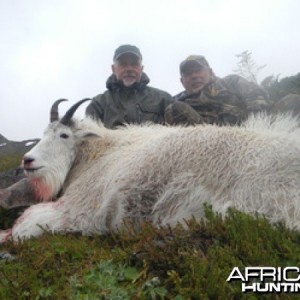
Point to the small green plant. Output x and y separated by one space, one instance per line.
190 261
8 162
104 281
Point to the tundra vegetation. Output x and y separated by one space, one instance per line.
154 263
9 162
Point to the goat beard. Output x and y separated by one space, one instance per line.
42 190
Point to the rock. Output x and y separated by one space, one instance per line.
10 177
13 149
17 195
290 102
6 256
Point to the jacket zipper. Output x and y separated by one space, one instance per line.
139 113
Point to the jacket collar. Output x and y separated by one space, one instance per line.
113 84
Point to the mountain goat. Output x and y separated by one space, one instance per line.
161 174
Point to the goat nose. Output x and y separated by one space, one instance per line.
27 160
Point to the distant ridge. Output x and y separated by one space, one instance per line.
8 147
2 139
12 150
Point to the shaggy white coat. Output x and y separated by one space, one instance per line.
162 174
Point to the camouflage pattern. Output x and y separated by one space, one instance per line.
225 101
121 105
182 113
255 97
199 59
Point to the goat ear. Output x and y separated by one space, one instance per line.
87 135
91 135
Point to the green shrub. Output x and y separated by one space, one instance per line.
187 262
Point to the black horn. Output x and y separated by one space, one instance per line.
66 119
54 110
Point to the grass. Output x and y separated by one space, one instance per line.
8 162
164 263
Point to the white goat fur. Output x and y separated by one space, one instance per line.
164 175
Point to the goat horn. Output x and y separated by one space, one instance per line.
54 110
66 119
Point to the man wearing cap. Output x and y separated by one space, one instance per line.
209 99
128 98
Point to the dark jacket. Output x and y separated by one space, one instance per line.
226 101
137 104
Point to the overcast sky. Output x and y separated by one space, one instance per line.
63 49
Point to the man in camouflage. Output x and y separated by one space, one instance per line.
128 98
209 99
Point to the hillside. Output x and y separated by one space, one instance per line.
11 147
11 153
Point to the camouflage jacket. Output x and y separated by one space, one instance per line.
138 103
226 101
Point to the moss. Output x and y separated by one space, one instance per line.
8 162
187 262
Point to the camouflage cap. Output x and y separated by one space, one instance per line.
127 49
193 60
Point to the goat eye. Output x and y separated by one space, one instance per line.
64 136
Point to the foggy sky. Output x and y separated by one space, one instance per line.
63 49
